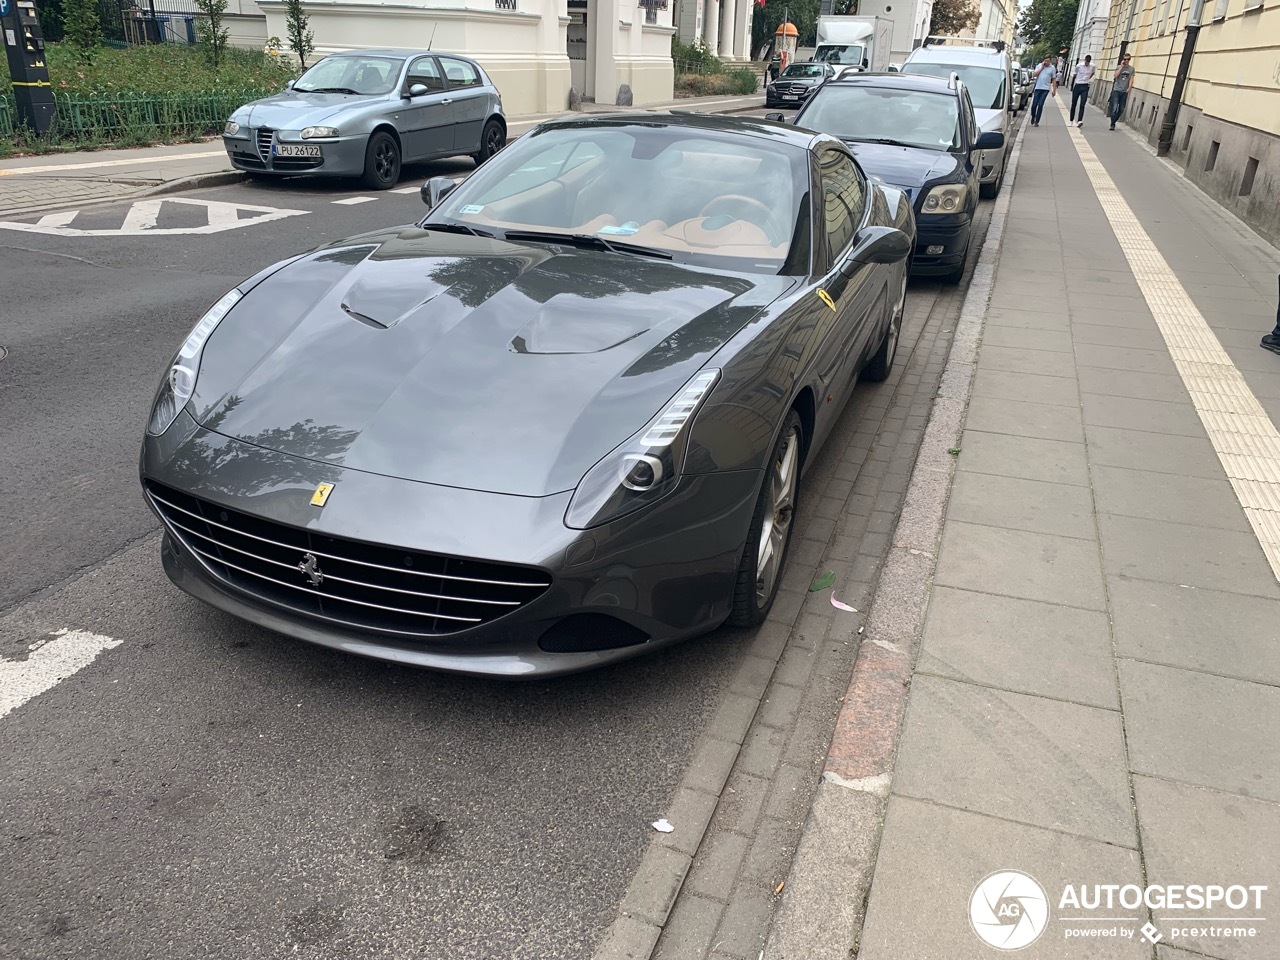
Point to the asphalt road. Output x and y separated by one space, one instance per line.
209 789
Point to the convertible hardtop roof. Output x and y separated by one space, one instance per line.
755 127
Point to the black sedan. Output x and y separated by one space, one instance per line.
560 421
917 133
796 83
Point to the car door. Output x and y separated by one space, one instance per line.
851 287
971 133
470 103
425 121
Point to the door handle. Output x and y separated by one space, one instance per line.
450 100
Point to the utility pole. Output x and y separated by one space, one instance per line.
1180 82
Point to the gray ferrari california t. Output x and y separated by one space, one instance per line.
561 421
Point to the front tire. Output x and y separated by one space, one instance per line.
381 161
769 537
880 366
956 275
493 139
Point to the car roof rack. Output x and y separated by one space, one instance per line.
940 40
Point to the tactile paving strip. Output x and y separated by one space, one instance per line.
1243 436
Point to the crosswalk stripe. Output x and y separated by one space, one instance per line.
347 201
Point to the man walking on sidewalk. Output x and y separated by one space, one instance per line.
1046 77
1080 88
1272 340
1120 85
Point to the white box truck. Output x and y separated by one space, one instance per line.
862 42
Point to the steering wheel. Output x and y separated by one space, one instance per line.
770 222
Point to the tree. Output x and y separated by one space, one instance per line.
81 26
1048 25
298 24
213 35
953 17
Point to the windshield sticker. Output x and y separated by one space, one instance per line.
472 208
622 230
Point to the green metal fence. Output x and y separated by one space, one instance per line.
79 117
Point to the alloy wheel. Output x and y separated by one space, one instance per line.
783 473
384 160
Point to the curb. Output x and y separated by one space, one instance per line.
822 911
194 182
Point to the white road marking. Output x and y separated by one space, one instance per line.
137 162
350 200
141 219
1243 436
407 189
49 662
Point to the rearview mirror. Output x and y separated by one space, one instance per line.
436 189
779 118
879 245
418 90
991 140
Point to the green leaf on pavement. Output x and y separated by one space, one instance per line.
824 581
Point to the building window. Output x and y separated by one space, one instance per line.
1186 139
1212 161
1250 171
1220 11
650 15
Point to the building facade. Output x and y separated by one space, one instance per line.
534 50
910 22
723 27
1090 30
1227 132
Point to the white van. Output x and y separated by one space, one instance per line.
985 70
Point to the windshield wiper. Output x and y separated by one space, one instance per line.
457 228
884 140
586 240
328 90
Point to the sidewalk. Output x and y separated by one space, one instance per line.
53 181
1093 677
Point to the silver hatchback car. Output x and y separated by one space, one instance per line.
364 112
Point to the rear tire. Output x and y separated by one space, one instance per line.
381 161
493 139
764 556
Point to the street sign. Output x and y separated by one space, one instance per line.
4 8
144 217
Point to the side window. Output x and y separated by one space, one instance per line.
425 71
460 73
843 195
971 124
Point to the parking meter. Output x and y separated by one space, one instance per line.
24 46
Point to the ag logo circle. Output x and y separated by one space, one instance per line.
1009 910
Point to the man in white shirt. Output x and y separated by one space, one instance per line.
1080 89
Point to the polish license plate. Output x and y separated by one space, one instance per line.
296 150
790 96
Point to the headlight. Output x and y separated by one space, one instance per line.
645 468
311 133
231 129
180 381
947 198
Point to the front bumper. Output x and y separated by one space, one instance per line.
657 576
951 233
340 157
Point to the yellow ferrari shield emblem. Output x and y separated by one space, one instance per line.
826 298
322 494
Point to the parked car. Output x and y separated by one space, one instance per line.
918 133
796 83
560 421
1022 86
365 112
985 70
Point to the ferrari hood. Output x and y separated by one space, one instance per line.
465 361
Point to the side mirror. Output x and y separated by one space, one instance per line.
878 245
436 189
418 89
776 117
991 140
289 84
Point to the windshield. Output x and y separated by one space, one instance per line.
913 117
363 75
840 53
696 195
805 70
986 84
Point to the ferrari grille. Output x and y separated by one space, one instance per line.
361 585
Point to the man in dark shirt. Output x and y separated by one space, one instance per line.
1120 86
